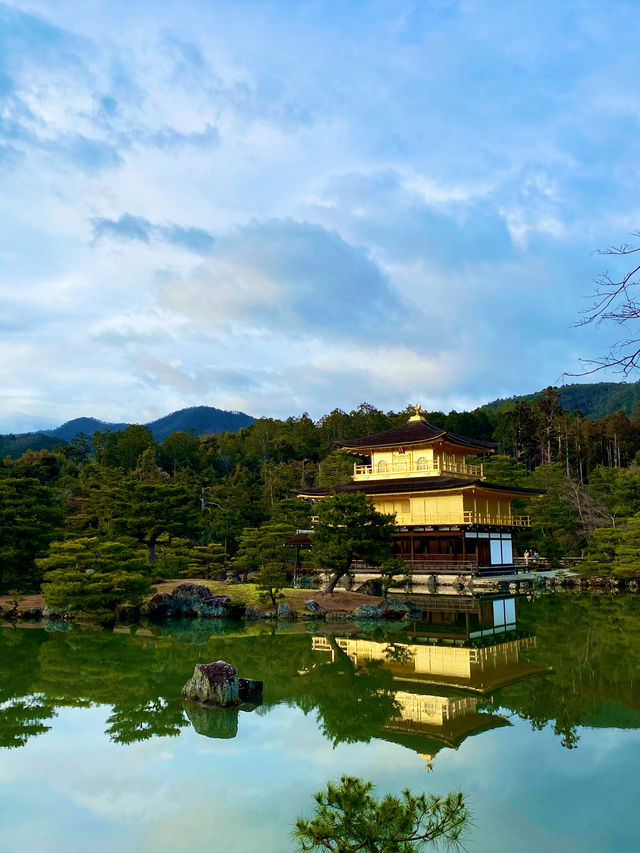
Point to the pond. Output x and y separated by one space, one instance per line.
532 707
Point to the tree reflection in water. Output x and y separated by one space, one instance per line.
587 645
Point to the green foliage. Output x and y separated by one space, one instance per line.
348 818
193 489
172 557
505 471
270 581
594 399
617 490
349 528
627 555
90 575
146 511
555 524
206 561
30 517
180 450
601 551
394 574
293 512
336 468
264 545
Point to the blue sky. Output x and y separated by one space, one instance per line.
282 207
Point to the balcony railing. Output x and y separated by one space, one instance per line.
455 518
425 469
464 517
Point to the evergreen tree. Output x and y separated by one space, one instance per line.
601 551
348 528
627 557
147 511
336 468
349 818
265 545
206 561
89 575
270 581
30 517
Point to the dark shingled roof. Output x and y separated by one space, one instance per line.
412 484
413 432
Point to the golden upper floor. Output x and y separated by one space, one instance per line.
416 449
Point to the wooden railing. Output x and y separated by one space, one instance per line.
437 563
400 469
455 518
465 517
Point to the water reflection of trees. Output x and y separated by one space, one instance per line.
588 643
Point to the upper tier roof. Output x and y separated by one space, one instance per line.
415 431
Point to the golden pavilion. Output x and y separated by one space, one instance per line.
447 515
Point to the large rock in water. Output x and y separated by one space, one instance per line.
217 685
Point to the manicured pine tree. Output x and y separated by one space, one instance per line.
264 545
601 551
627 559
87 575
348 528
206 561
30 517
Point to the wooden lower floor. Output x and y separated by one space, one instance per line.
482 549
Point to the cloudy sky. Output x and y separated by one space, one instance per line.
290 206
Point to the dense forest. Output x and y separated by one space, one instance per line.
188 504
592 399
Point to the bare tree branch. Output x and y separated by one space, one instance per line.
615 300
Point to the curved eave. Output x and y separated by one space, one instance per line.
409 485
444 437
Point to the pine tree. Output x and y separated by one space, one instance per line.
205 561
30 517
349 818
627 558
88 575
349 528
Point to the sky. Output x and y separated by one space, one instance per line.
280 207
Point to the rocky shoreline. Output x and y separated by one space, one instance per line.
189 600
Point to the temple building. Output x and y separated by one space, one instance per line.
446 514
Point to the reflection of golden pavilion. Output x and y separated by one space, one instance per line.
478 669
441 687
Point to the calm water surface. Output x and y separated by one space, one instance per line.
531 707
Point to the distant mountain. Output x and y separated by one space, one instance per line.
15 445
593 399
203 420
71 429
